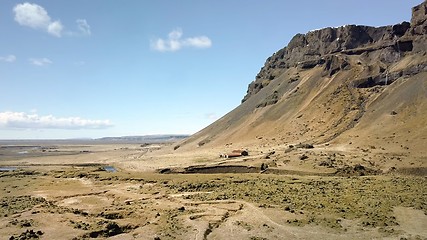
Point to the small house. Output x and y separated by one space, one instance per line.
241 152
235 153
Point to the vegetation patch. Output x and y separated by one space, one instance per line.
28 234
170 224
16 204
370 199
244 225
21 223
101 229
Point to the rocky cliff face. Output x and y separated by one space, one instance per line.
419 22
319 47
351 87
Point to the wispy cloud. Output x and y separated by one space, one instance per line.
8 58
36 17
83 27
21 120
175 42
40 61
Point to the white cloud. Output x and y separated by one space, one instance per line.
9 58
20 120
175 42
36 17
31 15
175 34
40 61
55 28
83 27
198 42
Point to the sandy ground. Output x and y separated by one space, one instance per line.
65 193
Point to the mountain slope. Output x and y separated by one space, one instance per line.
352 85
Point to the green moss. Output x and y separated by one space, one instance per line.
16 204
370 199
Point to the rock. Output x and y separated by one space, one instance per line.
309 50
268 155
310 63
270 100
419 27
401 29
334 63
264 166
203 142
418 21
389 55
304 145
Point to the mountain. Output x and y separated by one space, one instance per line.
145 138
350 87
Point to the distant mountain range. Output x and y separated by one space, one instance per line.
145 138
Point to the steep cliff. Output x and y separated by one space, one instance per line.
319 46
352 84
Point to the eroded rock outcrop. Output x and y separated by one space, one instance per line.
419 27
319 47
419 19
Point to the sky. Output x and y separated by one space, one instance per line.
90 69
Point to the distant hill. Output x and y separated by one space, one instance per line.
355 87
145 138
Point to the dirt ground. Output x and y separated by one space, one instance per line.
67 194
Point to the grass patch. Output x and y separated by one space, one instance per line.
370 199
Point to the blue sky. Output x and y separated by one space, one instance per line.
71 69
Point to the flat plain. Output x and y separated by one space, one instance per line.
84 190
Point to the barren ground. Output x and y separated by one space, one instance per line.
64 192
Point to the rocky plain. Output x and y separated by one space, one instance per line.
132 191
334 131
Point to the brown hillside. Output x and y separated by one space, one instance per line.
351 87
